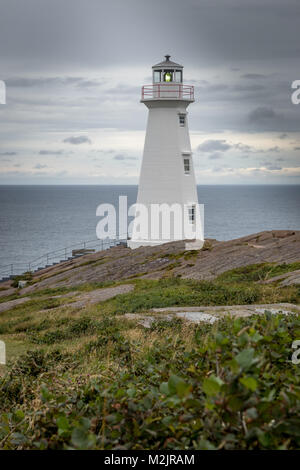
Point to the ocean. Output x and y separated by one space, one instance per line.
35 220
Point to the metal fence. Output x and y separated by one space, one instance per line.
58 256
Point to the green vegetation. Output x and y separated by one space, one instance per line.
257 272
207 246
174 291
227 386
89 378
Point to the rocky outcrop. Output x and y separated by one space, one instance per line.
210 314
287 279
118 263
12 303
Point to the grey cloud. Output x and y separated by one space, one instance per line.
8 154
123 157
102 151
30 82
50 152
13 173
253 150
77 140
222 168
237 93
262 113
90 83
221 145
119 157
253 88
253 76
217 169
274 167
215 156
198 82
213 145
99 33
271 166
245 148
39 166
124 90
214 88
55 64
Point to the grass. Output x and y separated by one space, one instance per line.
174 291
230 385
257 272
91 379
43 319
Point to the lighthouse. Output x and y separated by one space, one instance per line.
167 206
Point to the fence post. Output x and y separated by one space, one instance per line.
12 269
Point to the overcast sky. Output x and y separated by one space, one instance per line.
74 68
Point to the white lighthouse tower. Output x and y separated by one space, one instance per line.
167 180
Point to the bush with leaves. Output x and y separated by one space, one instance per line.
235 387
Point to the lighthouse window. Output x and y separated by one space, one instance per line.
192 214
182 120
178 76
157 76
187 166
168 76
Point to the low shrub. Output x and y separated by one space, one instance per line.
235 387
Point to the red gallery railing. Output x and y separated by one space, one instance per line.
167 91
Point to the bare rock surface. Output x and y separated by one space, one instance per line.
197 317
144 320
287 279
121 262
236 310
210 314
99 295
12 303
80 300
118 263
7 292
67 295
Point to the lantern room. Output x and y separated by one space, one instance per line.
167 83
167 72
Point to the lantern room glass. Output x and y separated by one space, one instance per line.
157 76
178 76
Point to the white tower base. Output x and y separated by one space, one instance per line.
189 244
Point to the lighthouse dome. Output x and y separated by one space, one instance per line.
167 63
167 71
